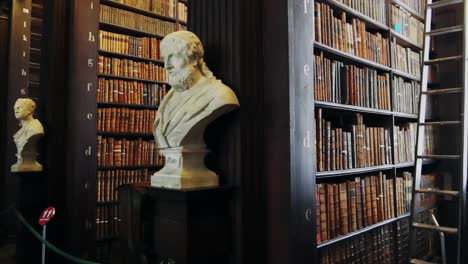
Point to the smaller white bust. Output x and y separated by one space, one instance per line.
27 137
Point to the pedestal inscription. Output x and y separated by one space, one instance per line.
184 169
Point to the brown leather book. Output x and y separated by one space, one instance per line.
391 199
359 217
339 148
352 206
344 222
374 193
317 210
344 152
336 200
344 26
330 211
323 212
333 149
364 191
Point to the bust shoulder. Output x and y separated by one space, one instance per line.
222 93
35 127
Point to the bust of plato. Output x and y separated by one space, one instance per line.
27 137
196 98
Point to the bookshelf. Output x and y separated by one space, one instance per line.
149 65
385 99
124 81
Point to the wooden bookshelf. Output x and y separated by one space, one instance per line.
351 58
127 31
137 10
405 41
151 167
355 171
84 112
108 76
362 231
356 14
125 135
415 14
125 56
131 106
353 108
341 113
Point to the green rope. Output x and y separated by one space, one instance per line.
50 246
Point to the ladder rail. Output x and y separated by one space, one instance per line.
463 170
421 118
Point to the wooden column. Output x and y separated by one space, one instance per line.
4 38
290 133
54 100
81 161
230 32
18 79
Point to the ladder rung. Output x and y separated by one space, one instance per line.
418 261
443 60
434 191
443 91
439 156
444 3
440 123
443 229
447 30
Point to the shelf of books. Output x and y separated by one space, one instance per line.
132 82
366 87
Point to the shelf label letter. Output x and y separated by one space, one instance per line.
92 5
89 86
306 2
90 62
24 24
25 10
307 140
23 91
23 72
25 38
91 37
88 151
89 116
306 70
308 215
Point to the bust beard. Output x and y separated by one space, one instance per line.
182 80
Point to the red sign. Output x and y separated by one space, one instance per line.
47 215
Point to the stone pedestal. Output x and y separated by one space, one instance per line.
184 169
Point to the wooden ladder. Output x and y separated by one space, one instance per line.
461 124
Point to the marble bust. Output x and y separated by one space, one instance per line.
195 100
27 137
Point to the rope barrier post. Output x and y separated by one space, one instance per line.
45 217
44 227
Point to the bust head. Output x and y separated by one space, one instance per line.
24 109
183 53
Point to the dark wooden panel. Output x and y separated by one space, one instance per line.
230 33
81 143
18 78
289 114
4 37
53 98
277 147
